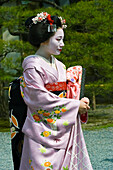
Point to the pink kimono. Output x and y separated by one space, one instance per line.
49 128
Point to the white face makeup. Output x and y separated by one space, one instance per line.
55 43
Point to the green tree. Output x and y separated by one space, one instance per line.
88 41
13 51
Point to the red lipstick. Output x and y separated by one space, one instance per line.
60 50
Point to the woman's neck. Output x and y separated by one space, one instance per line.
48 58
41 52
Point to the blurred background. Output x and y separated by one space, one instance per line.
88 42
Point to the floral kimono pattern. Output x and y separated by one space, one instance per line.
49 129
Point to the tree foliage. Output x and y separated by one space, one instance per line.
88 40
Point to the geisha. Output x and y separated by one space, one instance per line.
53 122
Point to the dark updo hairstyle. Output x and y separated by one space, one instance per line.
38 33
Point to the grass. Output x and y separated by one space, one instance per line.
100 118
4 125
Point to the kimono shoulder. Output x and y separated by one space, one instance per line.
32 61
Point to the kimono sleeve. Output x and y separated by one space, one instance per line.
48 106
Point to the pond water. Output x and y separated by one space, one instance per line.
99 145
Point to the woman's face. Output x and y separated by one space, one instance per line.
55 43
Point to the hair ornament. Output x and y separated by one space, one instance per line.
50 20
63 22
40 17
47 17
52 28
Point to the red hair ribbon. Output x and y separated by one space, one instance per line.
50 20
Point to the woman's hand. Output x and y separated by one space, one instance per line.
84 105
85 99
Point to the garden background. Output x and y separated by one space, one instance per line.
88 42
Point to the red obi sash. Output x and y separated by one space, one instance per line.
58 88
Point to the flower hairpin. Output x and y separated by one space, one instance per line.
63 22
51 26
40 17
